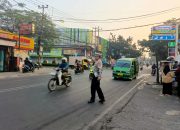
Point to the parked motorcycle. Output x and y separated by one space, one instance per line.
59 79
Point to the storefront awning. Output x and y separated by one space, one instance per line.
7 43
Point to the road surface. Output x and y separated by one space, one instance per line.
26 104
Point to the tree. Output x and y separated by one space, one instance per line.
122 47
11 18
5 5
158 48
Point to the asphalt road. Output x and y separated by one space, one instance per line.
26 104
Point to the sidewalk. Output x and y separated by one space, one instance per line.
147 110
41 71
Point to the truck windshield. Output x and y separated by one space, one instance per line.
125 64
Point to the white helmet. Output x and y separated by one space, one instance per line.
65 59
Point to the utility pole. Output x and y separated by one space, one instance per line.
177 39
86 43
95 30
98 29
43 7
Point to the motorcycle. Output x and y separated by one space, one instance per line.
36 65
28 68
153 72
59 79
78 69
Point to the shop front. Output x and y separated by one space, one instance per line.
6 51
11 52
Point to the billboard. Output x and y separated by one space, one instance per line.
104 47
164 29
26 28
76 36
163 37
25 42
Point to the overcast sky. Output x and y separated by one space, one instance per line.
105 9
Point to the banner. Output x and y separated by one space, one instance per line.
164 29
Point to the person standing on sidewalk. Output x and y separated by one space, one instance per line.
167 79
177 74
95 83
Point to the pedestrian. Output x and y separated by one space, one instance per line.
177 74
95 83
167 79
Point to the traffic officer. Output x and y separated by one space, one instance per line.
95 83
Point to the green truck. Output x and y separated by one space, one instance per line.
126 68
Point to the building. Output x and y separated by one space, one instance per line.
74 36
11 53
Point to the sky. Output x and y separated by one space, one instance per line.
107 9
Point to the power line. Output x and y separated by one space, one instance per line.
120 19
116 19
132 27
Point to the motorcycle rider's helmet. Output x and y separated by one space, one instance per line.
64 59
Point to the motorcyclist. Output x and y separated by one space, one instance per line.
64 66
78 65
28 63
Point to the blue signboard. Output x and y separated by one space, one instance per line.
163 37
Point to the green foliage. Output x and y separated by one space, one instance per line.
158 48
4 5
44 27
122 47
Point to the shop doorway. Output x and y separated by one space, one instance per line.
2 55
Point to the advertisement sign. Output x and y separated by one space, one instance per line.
164 29
76 35
69 52
163 37
56 51
171 44
25 42
26 29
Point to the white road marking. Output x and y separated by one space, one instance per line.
111 107
20 88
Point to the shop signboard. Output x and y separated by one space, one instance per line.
26 28
163 37
25 42
171 44
164 29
